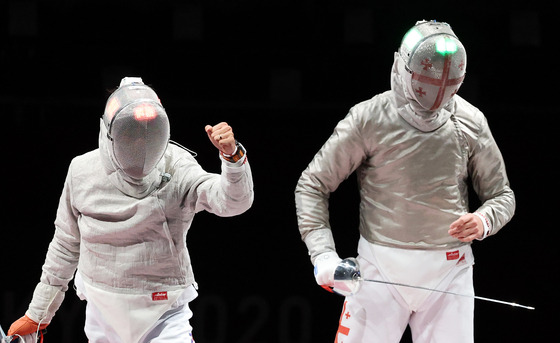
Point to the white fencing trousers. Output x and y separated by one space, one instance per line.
172 327
377 313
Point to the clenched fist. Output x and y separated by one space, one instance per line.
222 137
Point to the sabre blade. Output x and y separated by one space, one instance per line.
447 292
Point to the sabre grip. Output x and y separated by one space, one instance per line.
31 338
25 326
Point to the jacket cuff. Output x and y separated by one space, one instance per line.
485 223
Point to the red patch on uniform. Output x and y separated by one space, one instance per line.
452 255
159 296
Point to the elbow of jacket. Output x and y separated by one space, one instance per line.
239 207
513 201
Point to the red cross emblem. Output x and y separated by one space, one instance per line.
442 83
342 330
420 91
426 63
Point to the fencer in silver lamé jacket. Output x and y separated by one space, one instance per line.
128 236
412 182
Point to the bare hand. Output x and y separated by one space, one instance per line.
467 228
221 136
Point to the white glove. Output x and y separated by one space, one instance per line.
325 265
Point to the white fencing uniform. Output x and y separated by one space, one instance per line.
122 223
415 149
381 312
120 318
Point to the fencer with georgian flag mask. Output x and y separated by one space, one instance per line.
416 149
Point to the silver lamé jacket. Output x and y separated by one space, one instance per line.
412 182
130 237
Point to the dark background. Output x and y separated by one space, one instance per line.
282 74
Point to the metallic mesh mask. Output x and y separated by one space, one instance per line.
137 127
434 63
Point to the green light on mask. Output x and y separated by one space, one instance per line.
412 38
446 46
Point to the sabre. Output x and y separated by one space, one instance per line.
347 281
359 278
